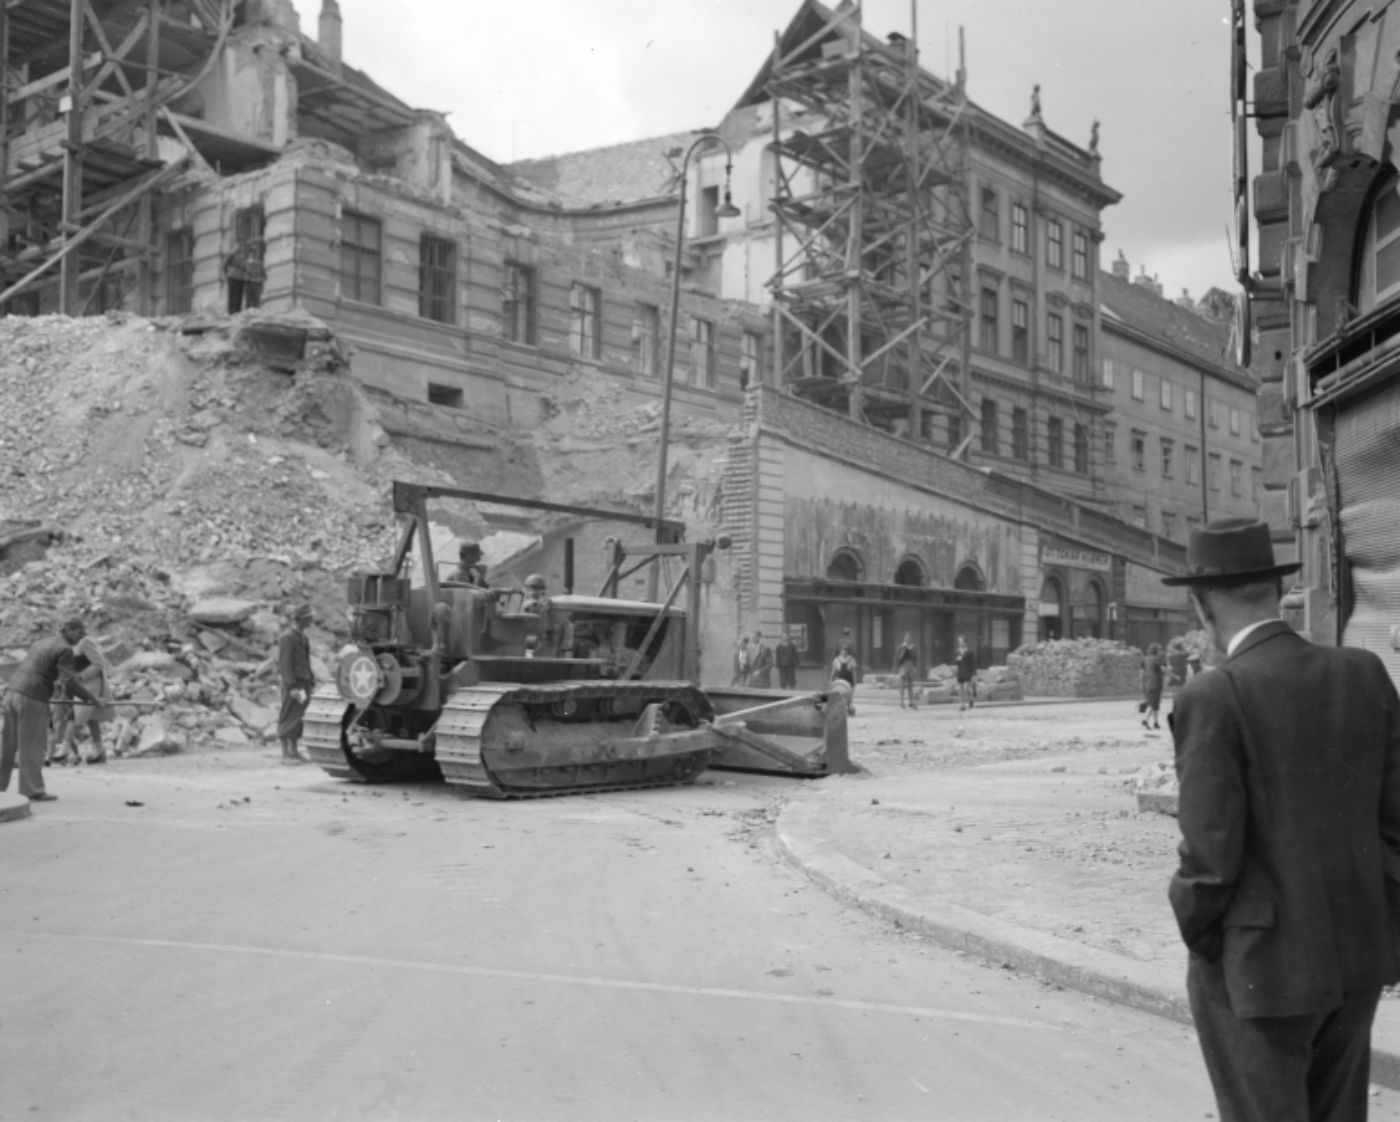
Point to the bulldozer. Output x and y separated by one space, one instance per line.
515 693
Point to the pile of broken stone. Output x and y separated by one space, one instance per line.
1077 668
190 672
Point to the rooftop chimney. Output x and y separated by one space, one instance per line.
328 33
1121 269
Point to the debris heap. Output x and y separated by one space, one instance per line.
1077 668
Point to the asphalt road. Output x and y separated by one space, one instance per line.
254 942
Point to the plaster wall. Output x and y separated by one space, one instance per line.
831 506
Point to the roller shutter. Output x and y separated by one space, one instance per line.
1367 448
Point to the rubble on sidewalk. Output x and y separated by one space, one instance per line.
1077 668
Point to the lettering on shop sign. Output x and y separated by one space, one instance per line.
1075 558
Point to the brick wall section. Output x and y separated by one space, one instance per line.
863 447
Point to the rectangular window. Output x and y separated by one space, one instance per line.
646 332
1138 379
1081 353
991 439
361 252
989 215
1164 395
1213 471
702 352
1079 260
1213 412
1234 421
437 279
450 396
1169 525
1107 377
1256 483
1020 228
1193 464
988 326
1140 517
1020 435
751 360
1055 342
1055 244
1020 331
1055 442
249 226
518 304
1081 449
1139 450
1168 448
1110 444
1188 405
1236 478
955 432
585 321
179 272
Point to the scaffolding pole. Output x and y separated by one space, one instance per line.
873 232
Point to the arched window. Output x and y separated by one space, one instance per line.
969 579
845 565
911 573
1378 264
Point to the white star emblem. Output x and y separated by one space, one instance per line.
364 677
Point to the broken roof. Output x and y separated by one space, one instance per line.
598 177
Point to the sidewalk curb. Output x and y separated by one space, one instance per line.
1048 958
13 808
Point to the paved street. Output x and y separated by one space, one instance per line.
253 942
258 943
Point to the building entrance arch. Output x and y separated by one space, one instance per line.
911 573
1090 614
845 564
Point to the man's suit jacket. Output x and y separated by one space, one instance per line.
1289 764
294 660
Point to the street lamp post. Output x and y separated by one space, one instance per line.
726 209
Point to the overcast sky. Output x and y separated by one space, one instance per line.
524 78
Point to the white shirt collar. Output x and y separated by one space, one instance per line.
1243 633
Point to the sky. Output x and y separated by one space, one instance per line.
526 78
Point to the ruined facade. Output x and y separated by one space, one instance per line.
228 161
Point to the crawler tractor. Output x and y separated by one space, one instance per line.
511 695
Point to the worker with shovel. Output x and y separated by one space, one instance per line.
25 733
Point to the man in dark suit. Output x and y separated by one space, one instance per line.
1288 890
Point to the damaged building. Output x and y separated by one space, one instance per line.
922 444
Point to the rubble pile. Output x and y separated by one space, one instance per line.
1077 668
151 466
140 440
596 439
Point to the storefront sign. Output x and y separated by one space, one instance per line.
1075 558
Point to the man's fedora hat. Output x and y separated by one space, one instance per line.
1230 551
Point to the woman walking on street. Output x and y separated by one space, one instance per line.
966 663
1153 668
843 669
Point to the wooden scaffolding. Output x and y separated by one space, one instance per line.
871 303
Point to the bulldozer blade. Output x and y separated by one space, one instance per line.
784 735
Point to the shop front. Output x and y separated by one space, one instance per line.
1075 592
821 614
